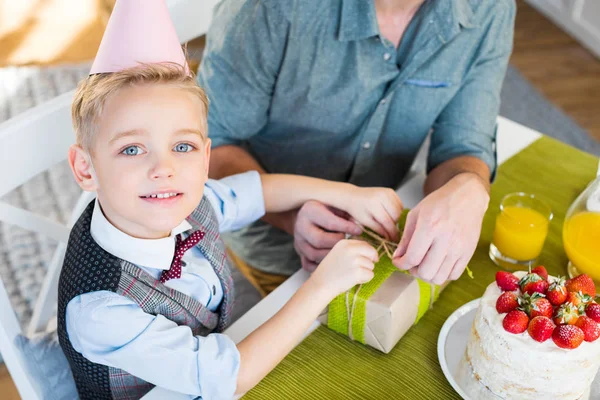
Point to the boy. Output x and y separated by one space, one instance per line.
145 288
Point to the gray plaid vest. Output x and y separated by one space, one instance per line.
89 268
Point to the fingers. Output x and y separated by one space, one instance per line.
458 268
308 265
394 209
388 224
364 269
315 236
310 240
308 251
323 217
409 230
364 275
444 271
366 250
419 244
357 248
340 213
432 261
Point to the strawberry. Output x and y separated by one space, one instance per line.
507 302
506 281
590 328
567 336
515 321
536 305
593 311
582 283
557 292
566 314
579 300
541 271
540 329
532 283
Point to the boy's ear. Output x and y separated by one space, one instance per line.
207 154
80 163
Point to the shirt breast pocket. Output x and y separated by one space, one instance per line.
428 83
423 99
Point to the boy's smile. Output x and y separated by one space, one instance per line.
150 158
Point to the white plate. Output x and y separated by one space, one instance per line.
452 344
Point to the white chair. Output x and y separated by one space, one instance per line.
46 132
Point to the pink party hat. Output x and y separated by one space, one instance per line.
138 31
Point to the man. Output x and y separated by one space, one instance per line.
348 90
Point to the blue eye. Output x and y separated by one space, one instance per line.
183 148
132 151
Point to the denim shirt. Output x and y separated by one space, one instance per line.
310 87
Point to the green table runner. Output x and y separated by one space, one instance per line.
327 365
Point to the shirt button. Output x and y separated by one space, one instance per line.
383 101
387 56
366 145
214 289
183 263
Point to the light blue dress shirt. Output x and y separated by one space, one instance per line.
112 330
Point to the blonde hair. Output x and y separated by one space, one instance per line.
93 91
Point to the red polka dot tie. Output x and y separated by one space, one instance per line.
181 246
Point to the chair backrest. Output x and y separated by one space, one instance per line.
46 133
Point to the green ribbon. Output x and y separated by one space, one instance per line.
353 303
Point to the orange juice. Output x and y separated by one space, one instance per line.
581 237
520 233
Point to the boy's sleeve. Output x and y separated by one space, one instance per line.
237 200
109 329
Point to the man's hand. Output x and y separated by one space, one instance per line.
441 232
317 229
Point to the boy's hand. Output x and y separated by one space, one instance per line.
350 262
376 208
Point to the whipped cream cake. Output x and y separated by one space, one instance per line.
534 337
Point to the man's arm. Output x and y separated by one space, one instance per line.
440 175
442 231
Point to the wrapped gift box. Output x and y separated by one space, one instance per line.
383 310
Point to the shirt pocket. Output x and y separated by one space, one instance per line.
425 98
428 83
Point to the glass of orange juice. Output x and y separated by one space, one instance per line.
581 234
520 231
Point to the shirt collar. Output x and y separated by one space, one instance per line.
452 15
357 20
150 253
463 13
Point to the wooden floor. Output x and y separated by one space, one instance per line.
7 388
565 72
558 66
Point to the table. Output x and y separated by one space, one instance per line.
512 138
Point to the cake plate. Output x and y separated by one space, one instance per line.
452 343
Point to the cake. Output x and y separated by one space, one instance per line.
534 337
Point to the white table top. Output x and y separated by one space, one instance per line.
512 138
